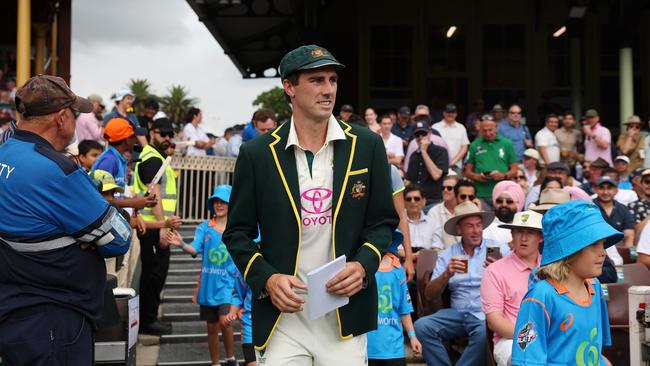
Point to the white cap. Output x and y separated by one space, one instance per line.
123 93
622 157
525 220
532 153
159 114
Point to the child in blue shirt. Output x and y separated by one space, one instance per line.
214 290
563 318
386 343
241 308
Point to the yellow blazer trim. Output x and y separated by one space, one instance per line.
262 347
296 214
250 263
338 206
360 171
399 190
374 249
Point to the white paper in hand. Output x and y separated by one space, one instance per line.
321 302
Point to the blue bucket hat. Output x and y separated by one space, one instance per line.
398 238
221 192
569 227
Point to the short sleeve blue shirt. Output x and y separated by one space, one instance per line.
517 135
48 204
554 328
216 281
113 162
387 341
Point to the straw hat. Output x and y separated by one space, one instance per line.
525 220
549 198
463 210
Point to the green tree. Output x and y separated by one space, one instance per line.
274 100
141 88
177 103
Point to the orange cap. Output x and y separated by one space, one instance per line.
118 129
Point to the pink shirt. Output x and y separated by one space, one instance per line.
88 127
592 151
504 284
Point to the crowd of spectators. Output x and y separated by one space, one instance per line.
495 164
469 187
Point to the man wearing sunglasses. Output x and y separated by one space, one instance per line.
428 165
630 143
159 219
517 132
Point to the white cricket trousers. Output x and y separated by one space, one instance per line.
298 341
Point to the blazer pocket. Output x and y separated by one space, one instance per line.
359 171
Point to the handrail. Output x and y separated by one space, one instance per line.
196 178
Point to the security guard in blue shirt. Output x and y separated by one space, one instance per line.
51 278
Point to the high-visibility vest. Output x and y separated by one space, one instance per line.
167 185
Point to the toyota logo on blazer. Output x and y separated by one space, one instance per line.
317 198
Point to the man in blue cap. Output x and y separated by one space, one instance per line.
336 200
51 281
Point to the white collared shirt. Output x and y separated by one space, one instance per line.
316 198
425 233
439 214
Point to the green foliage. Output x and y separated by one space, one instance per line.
274 100
177 103
141 88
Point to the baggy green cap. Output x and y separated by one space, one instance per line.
305 58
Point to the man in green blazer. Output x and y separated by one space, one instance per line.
315 188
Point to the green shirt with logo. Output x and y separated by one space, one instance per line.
487 156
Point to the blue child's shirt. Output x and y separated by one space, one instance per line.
241 298
387 341
215 282
554 328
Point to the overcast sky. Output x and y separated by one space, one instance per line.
164 42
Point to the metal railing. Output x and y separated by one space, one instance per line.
196 178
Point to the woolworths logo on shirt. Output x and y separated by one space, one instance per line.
218 255
385 299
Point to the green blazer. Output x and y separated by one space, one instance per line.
266 193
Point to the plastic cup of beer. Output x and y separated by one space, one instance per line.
464 259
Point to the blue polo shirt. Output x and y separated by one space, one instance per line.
48 205
405 133
554 328
517 135
113 162
621 217
465 288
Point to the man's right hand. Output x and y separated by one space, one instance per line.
455 266
173 222
480 178
280 289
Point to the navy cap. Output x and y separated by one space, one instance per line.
450 108
606 179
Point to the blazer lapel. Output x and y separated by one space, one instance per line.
343 156
285 163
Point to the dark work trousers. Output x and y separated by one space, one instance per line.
155 263
46 335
